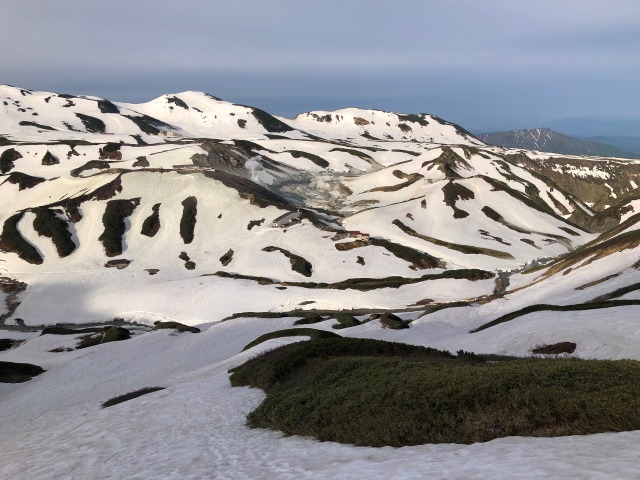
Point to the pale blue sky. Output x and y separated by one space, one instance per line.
486 64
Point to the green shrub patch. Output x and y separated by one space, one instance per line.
151 224
7 158
319 161
345 320
92 124
291 332
177 326
109 334
11 372
188 220
130 396
374 393
12 240
48 224
23 180
113 220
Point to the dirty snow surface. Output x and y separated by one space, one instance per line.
192 209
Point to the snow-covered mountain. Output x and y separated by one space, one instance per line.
192 209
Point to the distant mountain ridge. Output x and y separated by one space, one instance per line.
547 140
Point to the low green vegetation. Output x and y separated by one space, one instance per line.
109 334
177 101
148 124
389 320
7 158
345 320
12 240
309 319
419 260
92 124
375 393
554 308
291 332
452 193
319 161
269 122
413 118
355 153
48 224
365 284
110 151
113 220
298 264
24 181
59 330
555 348
466 249
106 106
410 180
26 123
177 326
8 343
50 159
226 258
130 396
11 372
188 220
151 224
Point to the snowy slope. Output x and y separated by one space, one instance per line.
358 124
188 187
